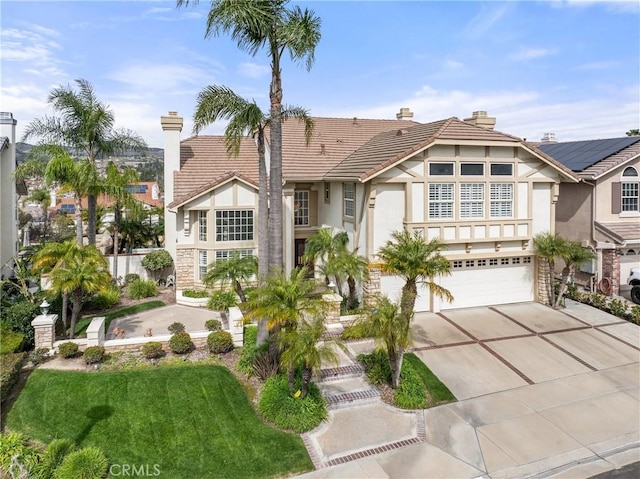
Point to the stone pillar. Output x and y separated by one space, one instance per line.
45 330
95 332
611 269
236 326
332 313
543 292
371 287
186 268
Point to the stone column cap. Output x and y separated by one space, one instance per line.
44 320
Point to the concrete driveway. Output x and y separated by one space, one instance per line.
542 393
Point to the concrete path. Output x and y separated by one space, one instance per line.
542 393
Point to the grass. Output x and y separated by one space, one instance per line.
193 421
438 391
83 324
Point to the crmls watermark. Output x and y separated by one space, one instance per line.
134 470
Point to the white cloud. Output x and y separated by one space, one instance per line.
170 78
253 70
605 65
525 54
615 6
489 16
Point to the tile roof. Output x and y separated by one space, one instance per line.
621 231
209 185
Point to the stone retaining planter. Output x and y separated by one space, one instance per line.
193 302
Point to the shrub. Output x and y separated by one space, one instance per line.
411 392
355 331
130 278
152 350
635 314
213 325
249 349
10 341
618 308
53 456
93 354
18 317
38 356
297 414
192 293
14 444
220 342
376 366
222 300
180 343
176 328
106 299
10 366
87 463
68 349
141 288
264 365
157 260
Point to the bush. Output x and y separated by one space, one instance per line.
180 343
10 366
411 391
220 342
18 317
176 328
87 463
68 349
355 331
38 356
10 341
222 300
192 293
279 406
93 354
157 260
53 456
152 350
14 444
376 366
635 314
141 288
618 308
130 278
213 325
249 350
106 299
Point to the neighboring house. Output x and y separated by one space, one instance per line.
484 193
603 210
9 191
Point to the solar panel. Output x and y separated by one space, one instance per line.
579 155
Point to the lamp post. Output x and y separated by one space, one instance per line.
44 307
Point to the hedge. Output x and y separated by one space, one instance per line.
10 366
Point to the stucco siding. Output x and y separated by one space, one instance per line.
573 211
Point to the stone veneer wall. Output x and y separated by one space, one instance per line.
543 285
44 330
185 264
611 269
371 287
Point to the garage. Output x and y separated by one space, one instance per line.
629 258
391 286
485 282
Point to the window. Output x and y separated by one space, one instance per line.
202 225
457 264
526 260
349 197
327 192
469 263
501 169
493 262
225 254
482 262
234 225
441 169
202 264
501 200
440 200
471 200
515 260
504 260
630 190
472 169
301 208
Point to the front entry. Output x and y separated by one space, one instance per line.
299 262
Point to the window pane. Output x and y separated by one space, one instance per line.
202 225
349 195
501 169
440 200
301 208
234 225
441 169
472 169
501 200
630 196
471 200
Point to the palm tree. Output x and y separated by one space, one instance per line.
304 348
323 246
43 198
573 255
86 126
548 247
271 25
354 267
237 269
409 256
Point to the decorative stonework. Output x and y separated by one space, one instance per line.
611 269
332 314
543 285
371 287
185 268
44 330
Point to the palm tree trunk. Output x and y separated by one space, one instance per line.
239 291
78 219
393 365
76 306
408 299
351 302
306 379
566 272
263 229
116 243
291 374
65 310
92 202
275 177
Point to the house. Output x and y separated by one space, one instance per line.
9 191
484 193
603 210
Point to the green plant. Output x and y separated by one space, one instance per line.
68 349
180 343
38 356
598 300
618 308
376 365
130 278
249 349
157 260
264 365
356 331
53 456
141 288
87 463
285 410
635 314
152 350
410 393
176 327
438 392
213 325
10 366
15 445
220 342
93 354
10 341
105 299
222 300
18 317
193 293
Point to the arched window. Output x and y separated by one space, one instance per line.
630 189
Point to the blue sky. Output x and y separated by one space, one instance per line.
567 67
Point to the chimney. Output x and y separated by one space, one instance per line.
172 126
8 194
481 119
405 114
548 138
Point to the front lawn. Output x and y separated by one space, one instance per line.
191 421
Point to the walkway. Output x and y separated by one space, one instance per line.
542 393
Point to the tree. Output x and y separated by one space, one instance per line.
86 126
271 25
42 197
409 256
573 255
237 269
323 246
355 268
634 132
548 247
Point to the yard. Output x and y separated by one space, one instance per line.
192 421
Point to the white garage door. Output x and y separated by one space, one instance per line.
512 280
629 258
391 286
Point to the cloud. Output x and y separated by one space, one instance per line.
169 78
597 65
525 54
614 6
489 16
253 70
